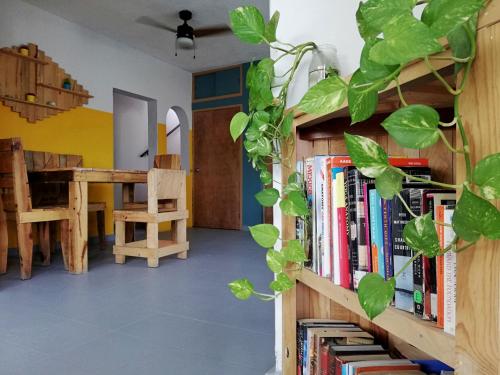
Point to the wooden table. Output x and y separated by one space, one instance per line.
78 180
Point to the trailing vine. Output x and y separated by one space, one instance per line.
394 38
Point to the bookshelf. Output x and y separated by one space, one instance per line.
475 349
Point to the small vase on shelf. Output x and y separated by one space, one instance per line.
324 63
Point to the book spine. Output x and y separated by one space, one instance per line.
450 276
323 368
430 282
342 231
418 276
366 205
299 223
326 187
350 175
439 212
309 179
347 230
377 236
387 235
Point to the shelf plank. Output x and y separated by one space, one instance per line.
424 335
5 98
18 55
72 92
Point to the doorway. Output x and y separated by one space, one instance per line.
217 170
178 135
135 136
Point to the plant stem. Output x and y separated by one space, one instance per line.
407 264
400 93
450 89
456 59
264 296
448 124
464 247
406 206
415 178
450 147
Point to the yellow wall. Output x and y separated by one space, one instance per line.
81 131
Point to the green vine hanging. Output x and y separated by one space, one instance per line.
394 38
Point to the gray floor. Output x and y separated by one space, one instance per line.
127 319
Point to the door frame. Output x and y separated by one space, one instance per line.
240 160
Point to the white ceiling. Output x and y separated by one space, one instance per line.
115 18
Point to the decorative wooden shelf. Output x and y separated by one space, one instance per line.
422 334
60 89
28 58
6 98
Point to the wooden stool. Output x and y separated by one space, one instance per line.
162 184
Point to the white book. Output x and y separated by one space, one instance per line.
326 198
450 276
318 212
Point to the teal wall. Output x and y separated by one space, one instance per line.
224 83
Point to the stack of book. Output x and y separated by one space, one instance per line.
354 231
335 347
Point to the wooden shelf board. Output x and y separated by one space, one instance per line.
5 98
424 335
73 92
28 58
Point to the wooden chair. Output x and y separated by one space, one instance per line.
168 161
162 184
16 204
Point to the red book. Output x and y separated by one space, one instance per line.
394 161
345 274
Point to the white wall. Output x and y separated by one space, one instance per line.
174 139
95 61
323 22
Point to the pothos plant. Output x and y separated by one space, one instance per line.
394 37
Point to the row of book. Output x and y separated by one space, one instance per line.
335 347
355 231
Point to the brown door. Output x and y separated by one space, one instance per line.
217 170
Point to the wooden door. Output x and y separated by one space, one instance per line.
217 170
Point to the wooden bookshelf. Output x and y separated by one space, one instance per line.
23 57
475 349
46 106
60 89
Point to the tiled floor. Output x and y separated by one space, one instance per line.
177 319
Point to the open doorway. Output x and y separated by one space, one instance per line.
178 135
135 136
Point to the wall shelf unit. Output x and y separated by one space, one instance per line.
60 89
22 57
475 349
8 99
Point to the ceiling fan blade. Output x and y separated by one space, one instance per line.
145 20
211 31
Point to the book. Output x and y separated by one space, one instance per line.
342 350
366 205
326 210
309 183
376 232
387 238
364 367
343 359
450 275
343 231
319 207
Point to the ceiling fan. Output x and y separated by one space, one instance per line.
185 34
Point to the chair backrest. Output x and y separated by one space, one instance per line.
14 176
168 161
166 184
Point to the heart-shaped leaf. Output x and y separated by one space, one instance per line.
460 45
414 126
366 31
420 234
275 260
266 177
405 39
238 124
282 283
263 146
292 186
241 289
294 252
287 125
375 294
442 16
378 13
362 97
272 25
487 176
294 204
474 217
267 197
248 24
266 68
324 97
265 235
366 155
389 183
295 177
371 70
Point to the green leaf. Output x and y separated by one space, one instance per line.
266 177
420 234
238 124
241 289
282 283
265 67
460 45
442 16
324 97
287 124
414 126
267 197
272 25
248 24
260 118
375 294
475 217
263 146
250 146
487 176
253 133
265 235
295 177
275 261
292 186
389 183
294 205
367 155
362 97
250 75
405 39
365 29
370 69
375 14
294 252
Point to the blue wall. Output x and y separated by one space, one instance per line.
252 211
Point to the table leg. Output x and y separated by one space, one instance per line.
128 197
78 204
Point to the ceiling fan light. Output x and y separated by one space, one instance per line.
185 42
